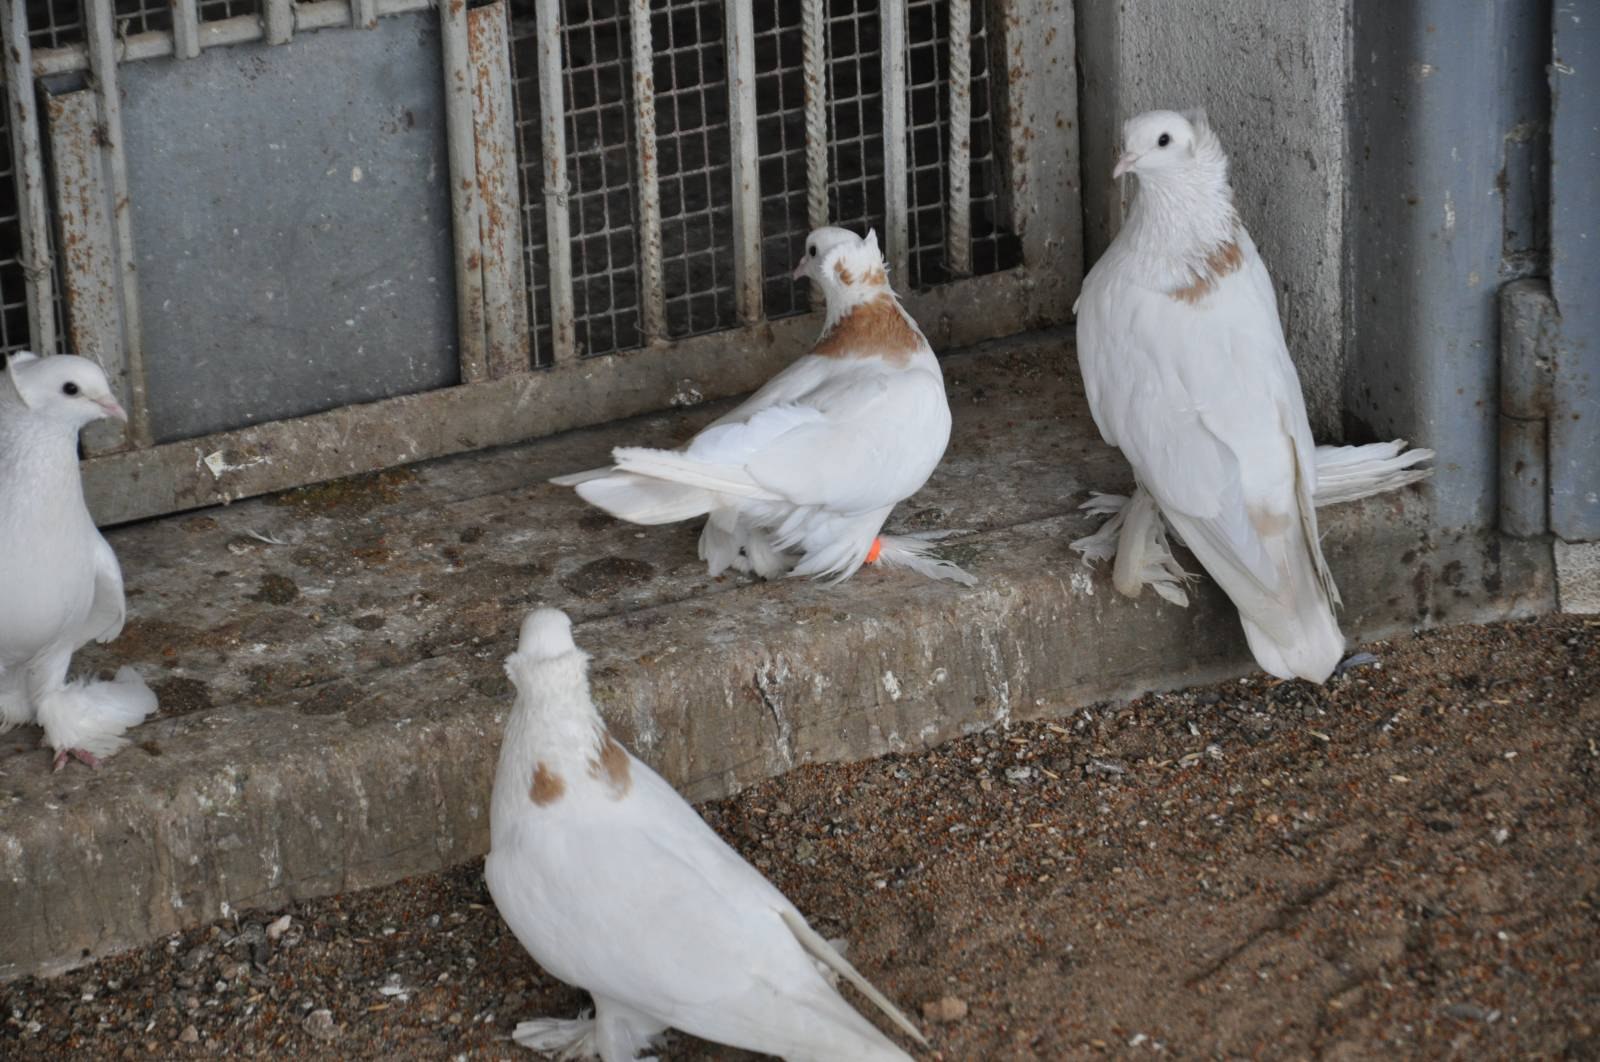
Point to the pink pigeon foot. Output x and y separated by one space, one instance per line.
83 756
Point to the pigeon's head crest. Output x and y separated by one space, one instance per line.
63 387
833 253
546 633
1161 142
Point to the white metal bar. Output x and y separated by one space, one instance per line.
653 305
277 17
364 14
508 340
185 29
465 202
896 191
746 166
241 29
814 59
558 224
958 223
103 71
88 251
34 220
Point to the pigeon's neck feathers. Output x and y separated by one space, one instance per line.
1182 218
40 450
853 277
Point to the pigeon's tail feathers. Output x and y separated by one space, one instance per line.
94 715
559 1038
546 634
1143 556
901 551
572 479
820 949
644 499
1346 473
679 468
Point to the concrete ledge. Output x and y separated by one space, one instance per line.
334 701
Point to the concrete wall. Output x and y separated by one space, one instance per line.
1272 76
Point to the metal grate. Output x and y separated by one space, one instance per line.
600 167
142 16
855 118
530 165
693 149
55 23
781 148
13 296
216 10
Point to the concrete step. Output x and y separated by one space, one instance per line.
329 661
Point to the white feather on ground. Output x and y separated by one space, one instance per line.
614 884
799 479
59 579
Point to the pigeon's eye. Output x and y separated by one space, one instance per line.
1163 140
812 250
69 388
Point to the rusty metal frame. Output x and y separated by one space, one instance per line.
33 209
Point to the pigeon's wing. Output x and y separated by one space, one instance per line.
109 608
1204 401
646 905
878 440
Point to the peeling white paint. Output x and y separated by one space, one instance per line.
891 685
218 464
1449 213
1082 583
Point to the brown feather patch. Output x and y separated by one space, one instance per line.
547 786
878 327
845 276
1219 263
612 766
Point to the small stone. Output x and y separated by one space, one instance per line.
782 807
196 957
1018 774
278 927
946 1010
190 1035
319 1023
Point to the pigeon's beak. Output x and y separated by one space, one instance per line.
800 270
112 409
1124 164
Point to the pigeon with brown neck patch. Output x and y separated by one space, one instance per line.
799 479
614 884
1186 370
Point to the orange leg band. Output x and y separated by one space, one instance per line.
877 548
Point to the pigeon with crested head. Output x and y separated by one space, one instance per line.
613 883
1187 372
59 578
799 478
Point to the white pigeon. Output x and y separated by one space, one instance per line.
59 581
800 478
1186 371
1134 537
614 884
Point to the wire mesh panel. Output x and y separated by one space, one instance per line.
693 152
781 146
55 23
13 296
600 169
216 10
142 16
855 117
530 165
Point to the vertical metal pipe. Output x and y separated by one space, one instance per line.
465 203
653 303
278 20
958 225
813 58
896 190
508 340
102 44
558 225
185 29
741 33
37 268
364 14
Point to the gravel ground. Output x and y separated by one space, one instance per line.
1404 862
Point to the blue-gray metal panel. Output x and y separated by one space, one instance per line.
1440 90
293 224
1575 271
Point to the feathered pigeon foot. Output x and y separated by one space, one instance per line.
560 1038
83 756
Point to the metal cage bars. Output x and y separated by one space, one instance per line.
1034 196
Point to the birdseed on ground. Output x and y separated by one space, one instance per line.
1403 863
